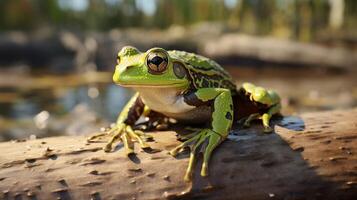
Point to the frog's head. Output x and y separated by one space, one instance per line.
261 95
153 68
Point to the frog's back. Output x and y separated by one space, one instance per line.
204 72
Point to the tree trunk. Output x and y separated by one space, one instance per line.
312 156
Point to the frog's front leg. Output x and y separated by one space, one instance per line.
123 130
207 140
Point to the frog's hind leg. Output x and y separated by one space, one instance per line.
206 140
267 116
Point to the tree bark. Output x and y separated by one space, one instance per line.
312 156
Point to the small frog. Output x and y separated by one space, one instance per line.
189 88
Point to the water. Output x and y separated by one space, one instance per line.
48 105
104 99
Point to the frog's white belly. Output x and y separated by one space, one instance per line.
170 102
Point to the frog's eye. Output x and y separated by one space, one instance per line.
157 62
179 69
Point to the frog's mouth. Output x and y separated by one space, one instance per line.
171 85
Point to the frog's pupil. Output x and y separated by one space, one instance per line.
157 60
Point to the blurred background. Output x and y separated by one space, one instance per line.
57 56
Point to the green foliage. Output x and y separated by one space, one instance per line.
300 19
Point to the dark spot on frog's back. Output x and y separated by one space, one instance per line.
228 116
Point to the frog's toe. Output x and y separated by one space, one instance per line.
143 135
187 136
268 129
128 144
94 137
97 136
183 145
107 148
203 142
117 136
106 132
136 135
197 147
213 140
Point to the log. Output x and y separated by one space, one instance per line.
311 156
277 51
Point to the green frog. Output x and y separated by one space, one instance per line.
191 89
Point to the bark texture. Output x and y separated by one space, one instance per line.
312 156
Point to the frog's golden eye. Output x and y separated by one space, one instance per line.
157 62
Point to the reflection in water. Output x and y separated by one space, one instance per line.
107 103
23 108
70 110
115 100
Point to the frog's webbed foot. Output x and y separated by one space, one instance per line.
268 129
192 132
205 141
123 133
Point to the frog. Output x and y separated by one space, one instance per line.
187 87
